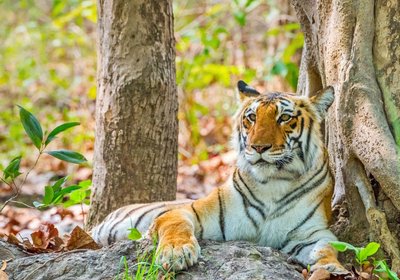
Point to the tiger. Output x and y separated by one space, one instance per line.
279 194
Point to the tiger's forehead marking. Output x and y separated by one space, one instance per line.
280 100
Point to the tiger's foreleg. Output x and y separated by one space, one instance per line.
323 255
177 245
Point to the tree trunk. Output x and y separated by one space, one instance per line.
354 46
136 110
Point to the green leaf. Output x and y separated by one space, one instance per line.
58 185
240 17
135 234
69 156
38 204
12 169
78 196
70 189
342 246
279 68
87 202
60 195
32 127
392 275
48 195
58 130
291 26
85 184
371 249
273 32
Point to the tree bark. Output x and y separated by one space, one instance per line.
136 110
354 46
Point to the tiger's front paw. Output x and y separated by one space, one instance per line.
333 267
178 253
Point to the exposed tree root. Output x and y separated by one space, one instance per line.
341 42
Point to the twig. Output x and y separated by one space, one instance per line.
53 259
5 182
23 182
19 202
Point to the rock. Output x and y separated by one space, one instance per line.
228 260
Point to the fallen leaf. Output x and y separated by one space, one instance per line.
3 275
320 274
42 237
12 239
81 240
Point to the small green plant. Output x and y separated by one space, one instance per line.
147 267
362 255
53 194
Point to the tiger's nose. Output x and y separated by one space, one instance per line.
261 148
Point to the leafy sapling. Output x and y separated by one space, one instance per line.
361 257
53 194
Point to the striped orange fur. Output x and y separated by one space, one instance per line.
279 195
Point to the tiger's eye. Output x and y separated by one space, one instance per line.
285 117
252 117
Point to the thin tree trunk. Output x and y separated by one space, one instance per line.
357 54
136 109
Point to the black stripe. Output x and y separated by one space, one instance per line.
245 204
199 221
111 237
297 249
287 110
308 189
310 214
309 136
161 213
299 225
302 185
284 103
100 228
247 187
160 206
248 202
221 215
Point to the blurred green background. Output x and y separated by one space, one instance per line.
48 59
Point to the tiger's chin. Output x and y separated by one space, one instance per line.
277 169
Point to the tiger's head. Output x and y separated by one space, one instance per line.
277 134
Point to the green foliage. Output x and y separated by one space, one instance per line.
58 130
12 170
47 63
134 234
146 268
69 156
52 194
55 194
362 255
381 266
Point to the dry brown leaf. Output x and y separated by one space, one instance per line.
12 239
320 274
41 238
3 275
81 240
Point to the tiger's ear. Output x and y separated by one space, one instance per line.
322 100
245 91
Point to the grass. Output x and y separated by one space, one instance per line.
147 268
